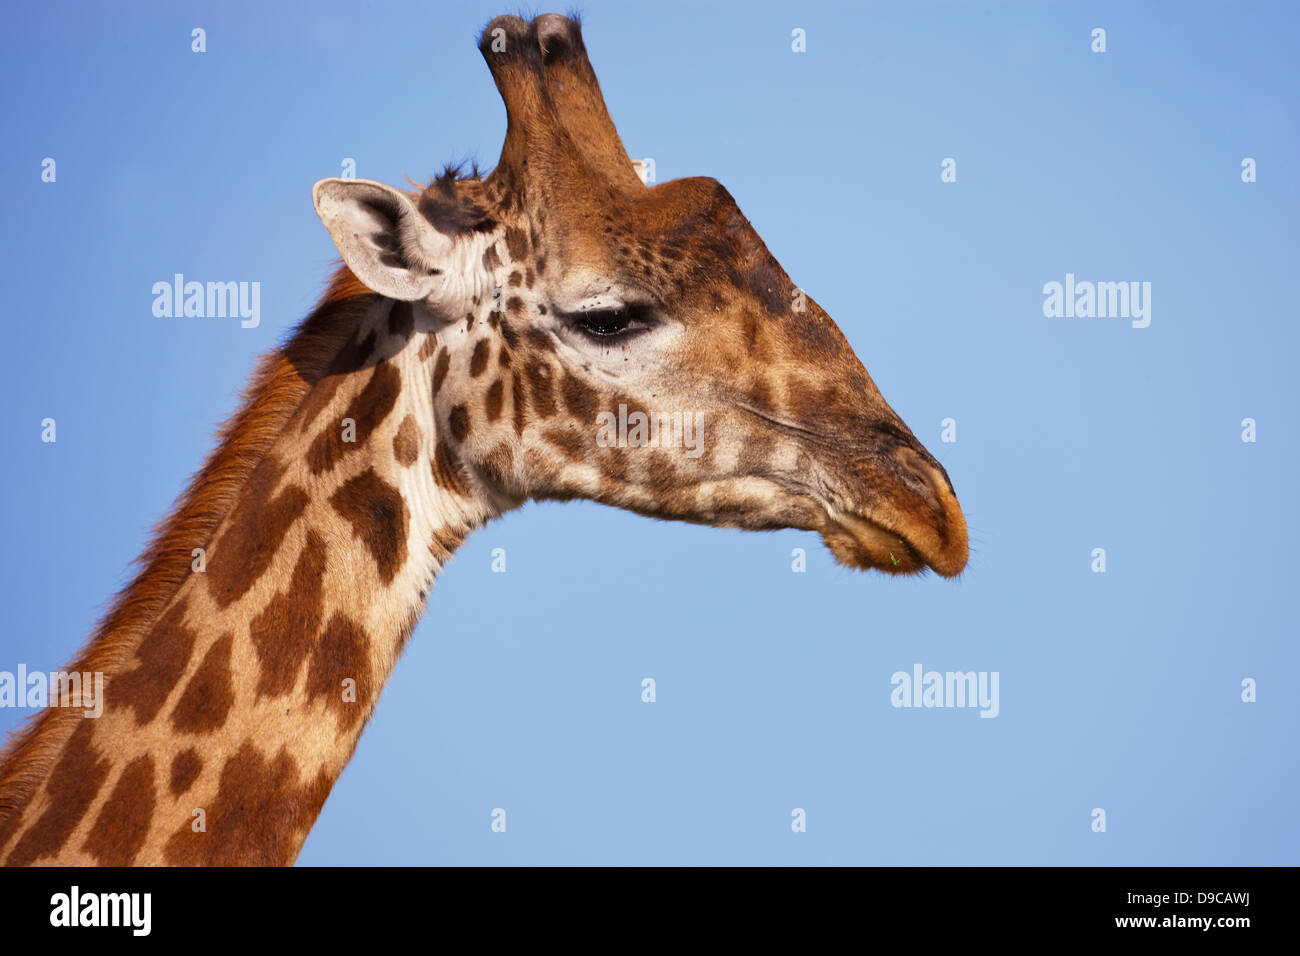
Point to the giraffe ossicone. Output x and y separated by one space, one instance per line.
548 331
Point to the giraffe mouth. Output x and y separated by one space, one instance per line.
861 543
918 527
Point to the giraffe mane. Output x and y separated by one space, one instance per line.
274 392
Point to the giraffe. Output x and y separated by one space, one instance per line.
460 362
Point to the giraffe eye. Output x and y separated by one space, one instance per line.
605 321
611 323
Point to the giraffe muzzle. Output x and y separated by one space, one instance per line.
919 525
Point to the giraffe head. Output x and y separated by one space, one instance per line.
592 337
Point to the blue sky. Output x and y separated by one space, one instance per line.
522 690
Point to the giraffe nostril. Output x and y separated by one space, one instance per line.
921 476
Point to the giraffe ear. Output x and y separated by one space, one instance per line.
382 237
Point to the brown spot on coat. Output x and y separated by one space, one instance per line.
540 341
444 544
207 698
661 469
283 633
351 358
72 787
186 767
342 653
257 527
161 659
448 472
459 422
541 389
575 444
613 462
519 400
494 400
123 821
259 817
378 516
516 244
479 360
318 399
367 409
406 443
498 465
580 399
401 320
440 369
755 453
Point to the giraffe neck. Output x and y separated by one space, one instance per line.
234 704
